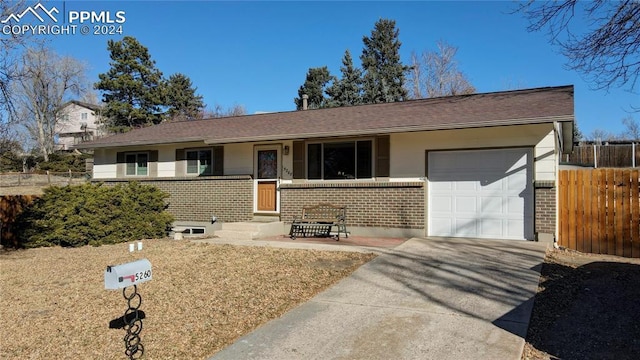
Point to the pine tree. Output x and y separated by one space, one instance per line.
314 86
132 88
347 90
181 98
384 73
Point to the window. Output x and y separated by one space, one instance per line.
137 164
340 160
199 162
83 116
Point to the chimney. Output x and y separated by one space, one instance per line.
305 97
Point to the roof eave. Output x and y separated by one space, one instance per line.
136 143
389 130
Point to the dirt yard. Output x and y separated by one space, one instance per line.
587 307
204 296
201 298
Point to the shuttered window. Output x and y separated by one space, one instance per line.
137 164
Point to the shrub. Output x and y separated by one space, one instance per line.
61 162
95 215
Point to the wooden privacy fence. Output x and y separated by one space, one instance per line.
599 211
10 207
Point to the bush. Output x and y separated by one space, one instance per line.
61 162
95 215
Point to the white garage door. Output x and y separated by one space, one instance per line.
481 193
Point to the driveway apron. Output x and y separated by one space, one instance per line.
434 298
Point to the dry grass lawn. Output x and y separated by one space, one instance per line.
202 297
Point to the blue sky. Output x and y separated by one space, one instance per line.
256 54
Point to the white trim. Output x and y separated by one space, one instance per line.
256 149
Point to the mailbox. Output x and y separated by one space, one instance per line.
129 274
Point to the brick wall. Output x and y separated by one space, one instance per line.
369 204
545 207
230 198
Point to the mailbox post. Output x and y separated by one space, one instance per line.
121 277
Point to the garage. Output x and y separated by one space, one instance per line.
481 193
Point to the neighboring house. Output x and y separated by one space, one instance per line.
480 165
77 122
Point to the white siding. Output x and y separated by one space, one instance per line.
408 149
238 159
546 158
104 167
166 162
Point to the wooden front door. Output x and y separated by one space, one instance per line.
267 173
267 196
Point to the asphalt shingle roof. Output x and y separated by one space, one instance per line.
452 112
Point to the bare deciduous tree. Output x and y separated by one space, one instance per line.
632 128
599 135
218 111
47 81
10 47
436 73
609 52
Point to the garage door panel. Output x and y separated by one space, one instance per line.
483 193
491 228
516 182
442 225
493 204
465 186
492 186
515 205
465 204
441 204
464 227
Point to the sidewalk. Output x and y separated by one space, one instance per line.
425 299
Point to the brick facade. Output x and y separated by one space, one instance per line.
230 198
545 207
369 204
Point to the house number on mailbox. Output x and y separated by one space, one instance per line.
121 277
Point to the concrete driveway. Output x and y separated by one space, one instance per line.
425 299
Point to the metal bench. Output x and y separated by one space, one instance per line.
319 221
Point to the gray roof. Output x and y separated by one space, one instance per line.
530 106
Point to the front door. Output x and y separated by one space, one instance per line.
267 174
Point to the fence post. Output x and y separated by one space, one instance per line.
48 178
633 154
595 157
69 176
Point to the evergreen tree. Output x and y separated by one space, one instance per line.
347 90
384 73
132 88
314 86
181 98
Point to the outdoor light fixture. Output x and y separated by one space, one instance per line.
286 149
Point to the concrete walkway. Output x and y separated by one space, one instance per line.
425 299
